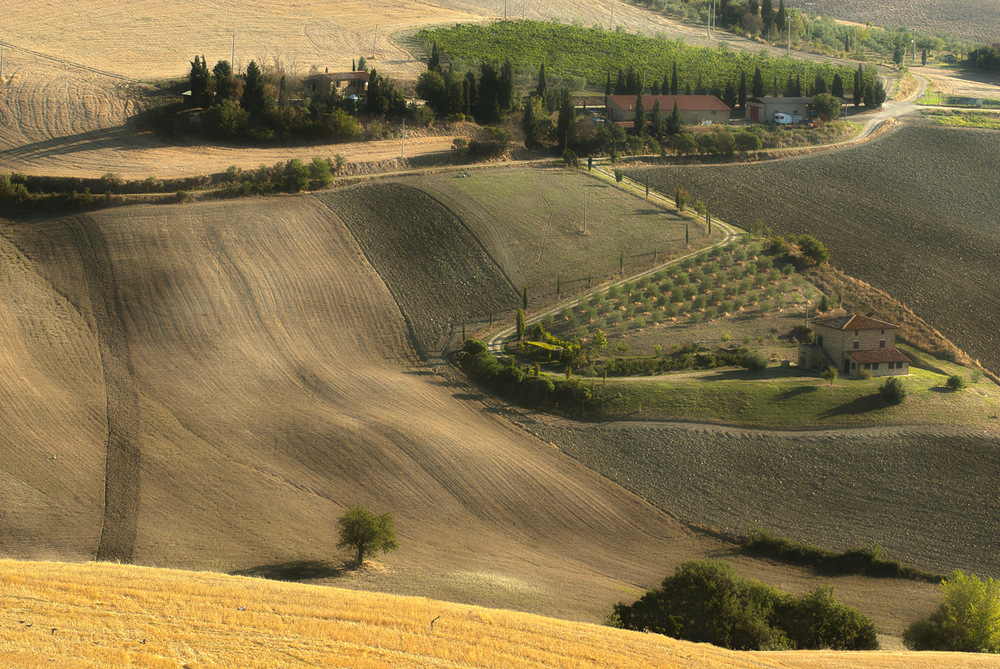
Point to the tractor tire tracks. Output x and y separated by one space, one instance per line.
123 459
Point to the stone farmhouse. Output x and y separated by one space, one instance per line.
693 108
852 343
345 83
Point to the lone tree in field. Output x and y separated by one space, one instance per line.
366 533
967 621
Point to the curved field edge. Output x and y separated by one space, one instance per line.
910 213
924 495
103 615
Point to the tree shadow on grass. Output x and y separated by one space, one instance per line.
797 392
301 570
855 407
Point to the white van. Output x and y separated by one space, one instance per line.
786 119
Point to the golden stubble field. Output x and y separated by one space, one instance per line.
249 377
103 615
71 70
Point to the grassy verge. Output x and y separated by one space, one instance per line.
866 560
965 119
785 398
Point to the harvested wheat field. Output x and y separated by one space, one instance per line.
103 615
73 74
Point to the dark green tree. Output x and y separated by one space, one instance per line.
201 96
639 127
542 85
566 126
673 79
837 89
923 56
520 322
774 91
254 99
434 62
505 90
741 96
673 124
897 54
892 391
858 92
820 84
729 94
753 7
607 88
879 90
780 17
826 106
524 298
529 124
758 83
366 533
767 14
655 119
620 87
223 74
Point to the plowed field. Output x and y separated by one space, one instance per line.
242 375
438 272
914 212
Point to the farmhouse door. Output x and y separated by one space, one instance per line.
847 367
694 117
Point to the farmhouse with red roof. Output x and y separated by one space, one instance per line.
852 343
693 108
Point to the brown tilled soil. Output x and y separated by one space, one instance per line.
437 271
912 213
275 387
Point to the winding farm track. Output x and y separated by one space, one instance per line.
121 481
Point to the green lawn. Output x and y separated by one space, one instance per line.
782 399
531 221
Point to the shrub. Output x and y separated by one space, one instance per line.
830 374
706 601
955 382
865 374
754 361
474 346
619 175
968 619
892 391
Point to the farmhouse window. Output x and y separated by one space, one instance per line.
713 112
855 333
819 341
855 343
881 343
883 331
868 365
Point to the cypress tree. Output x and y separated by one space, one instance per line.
742 96
781 17
754 7
631 82
529 124
607 88
673 125
699 89
520 324
434 64
524 299
767 14
673 80
640 116
758 84
789 87
254 98
199 81
774 91
654 119
223 72
729 95
541 87
820 84
505 87
620 88
655 88
858 91
837 90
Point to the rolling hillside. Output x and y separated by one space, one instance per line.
248 376
101 615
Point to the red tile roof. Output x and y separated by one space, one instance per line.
878 355
854 322
684 102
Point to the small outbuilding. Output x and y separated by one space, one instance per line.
763 109
345 83
852 343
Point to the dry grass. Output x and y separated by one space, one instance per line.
104 615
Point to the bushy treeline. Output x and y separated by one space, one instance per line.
706 601
986 58
19 193
259 108
968 620
865 560
289 177
487 97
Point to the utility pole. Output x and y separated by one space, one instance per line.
584 213
402 143
232 57
612 26
504 10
